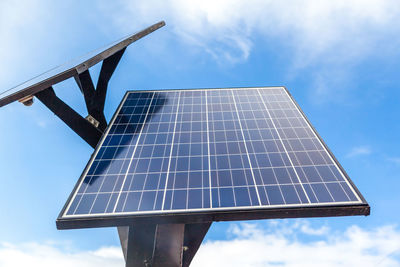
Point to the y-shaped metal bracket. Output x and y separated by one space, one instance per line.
95 98
92 127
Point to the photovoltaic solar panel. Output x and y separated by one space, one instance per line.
209 154
71 68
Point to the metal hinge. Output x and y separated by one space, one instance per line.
92 120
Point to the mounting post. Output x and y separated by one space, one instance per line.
161 245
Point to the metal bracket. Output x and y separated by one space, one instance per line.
92 120
73 119
27 100
92 127
95 97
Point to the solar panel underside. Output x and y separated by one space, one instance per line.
208 150
72 67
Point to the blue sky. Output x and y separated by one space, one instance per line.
339 59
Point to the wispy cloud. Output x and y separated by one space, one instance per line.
24 18
395 160
330 38
359 151
255 245
341 29
306 228
46 255
280 243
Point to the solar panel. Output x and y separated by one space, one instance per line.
209 154
72 67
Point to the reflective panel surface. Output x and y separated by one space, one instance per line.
186 151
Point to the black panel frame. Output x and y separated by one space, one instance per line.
329 210
214 216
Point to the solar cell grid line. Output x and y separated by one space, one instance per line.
134 198
74 205
152 167
153 180
245 145
208 147
256 149
176 138
313 163
294 156
219 181
236 200
119 144
296 136
235 192
209 154
251 134
272 121
119 169
180 162
250 130
130 162
170 154
330 158
205 181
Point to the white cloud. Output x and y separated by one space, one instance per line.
49 255
395 160
330 38
316 31
305 227
272 243
359 151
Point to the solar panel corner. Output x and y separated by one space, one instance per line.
155 104
329 150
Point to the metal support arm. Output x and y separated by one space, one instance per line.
94 99
152 245
74 120
194 235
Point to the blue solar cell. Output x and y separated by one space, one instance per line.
197 150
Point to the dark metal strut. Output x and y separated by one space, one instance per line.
92 128
161 245
95 98
74 120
